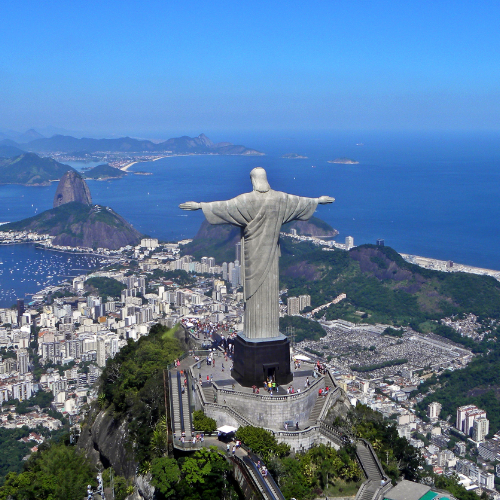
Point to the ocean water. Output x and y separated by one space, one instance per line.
435 195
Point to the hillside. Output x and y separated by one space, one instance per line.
7 151
31 170
311 227
105 171
76 224
180 145
382 287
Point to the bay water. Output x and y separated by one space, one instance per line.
435 195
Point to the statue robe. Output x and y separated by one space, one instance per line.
260 216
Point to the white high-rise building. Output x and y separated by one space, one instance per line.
101 352
461 415
293 305
433 411
470 417
235 275
238 251
22 361
480 428
349 242
304 301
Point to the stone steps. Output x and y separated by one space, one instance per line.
316 410
369 463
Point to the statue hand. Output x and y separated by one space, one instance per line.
190 205
324 200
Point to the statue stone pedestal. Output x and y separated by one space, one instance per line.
255 360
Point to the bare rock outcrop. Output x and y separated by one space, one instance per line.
72 187
105 441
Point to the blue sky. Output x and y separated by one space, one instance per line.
154 68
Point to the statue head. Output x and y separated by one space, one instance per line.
258 177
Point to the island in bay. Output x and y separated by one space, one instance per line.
345 161
294 156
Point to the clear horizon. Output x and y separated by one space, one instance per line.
169 69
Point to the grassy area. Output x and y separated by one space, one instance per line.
342 488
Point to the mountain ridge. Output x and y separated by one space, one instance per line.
180 145
31 170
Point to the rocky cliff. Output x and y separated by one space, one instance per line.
105 442
72 187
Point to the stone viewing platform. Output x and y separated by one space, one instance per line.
229 403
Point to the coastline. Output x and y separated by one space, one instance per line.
449 266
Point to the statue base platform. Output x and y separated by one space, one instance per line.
255 360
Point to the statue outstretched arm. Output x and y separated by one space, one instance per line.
325 200
190 205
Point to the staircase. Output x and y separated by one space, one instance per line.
316 410
175 405
376 484
367 490
369 461
267 486
186 410
208 393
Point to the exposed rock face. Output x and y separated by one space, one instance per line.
106 442
340 408
143 489
72 188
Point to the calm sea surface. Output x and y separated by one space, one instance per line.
434 195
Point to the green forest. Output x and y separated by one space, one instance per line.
303 328
104 287
381 287
131 386
55 472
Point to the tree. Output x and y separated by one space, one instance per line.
203 423
57 472
261 442
165 475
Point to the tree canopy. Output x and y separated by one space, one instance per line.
57 472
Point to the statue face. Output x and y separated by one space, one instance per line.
258 177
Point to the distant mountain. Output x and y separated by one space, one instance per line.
179 145
71 188
31 170
76 224
28 136
104 171
7 151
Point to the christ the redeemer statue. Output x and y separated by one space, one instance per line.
260 215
